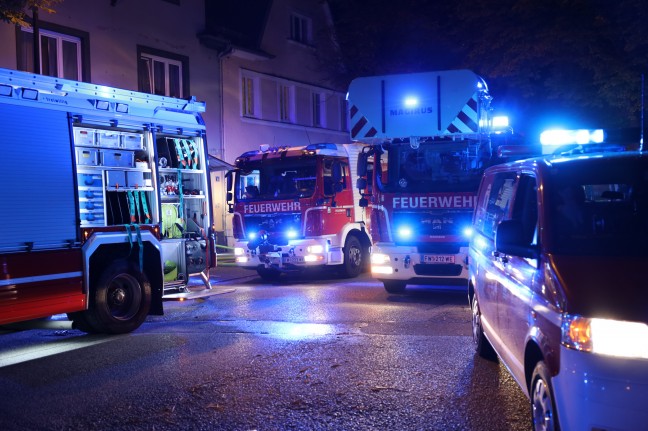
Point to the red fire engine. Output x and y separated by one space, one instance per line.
296 208
429 137
104 205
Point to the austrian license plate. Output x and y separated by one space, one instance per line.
293 259
438 258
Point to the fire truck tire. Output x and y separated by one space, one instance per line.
121 299
392 286
354 257
268 274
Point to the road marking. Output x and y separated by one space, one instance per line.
28 353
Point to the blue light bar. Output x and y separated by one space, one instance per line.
566 137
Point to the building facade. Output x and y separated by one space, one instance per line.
254 63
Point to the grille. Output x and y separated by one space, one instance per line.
276 226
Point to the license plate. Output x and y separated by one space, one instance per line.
438 258
293 259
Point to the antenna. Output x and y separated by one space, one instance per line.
641 139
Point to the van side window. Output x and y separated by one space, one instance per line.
495 203
525 207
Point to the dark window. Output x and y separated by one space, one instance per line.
163 73
63 52
300 28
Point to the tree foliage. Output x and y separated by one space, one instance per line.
581 57
15 11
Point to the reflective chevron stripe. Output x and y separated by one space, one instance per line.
467 120
360 127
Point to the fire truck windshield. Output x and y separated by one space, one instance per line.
432 167
276 179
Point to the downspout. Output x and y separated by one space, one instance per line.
35 26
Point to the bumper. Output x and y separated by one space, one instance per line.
596 392
405 263
297 254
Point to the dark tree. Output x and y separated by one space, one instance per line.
580 60
15 11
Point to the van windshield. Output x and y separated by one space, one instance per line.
600 208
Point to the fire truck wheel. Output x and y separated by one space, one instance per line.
394 286
268 274
121 299
354 257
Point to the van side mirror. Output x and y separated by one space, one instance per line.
509 239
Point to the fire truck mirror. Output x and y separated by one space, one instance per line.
336 173
362 164
361 183
228 181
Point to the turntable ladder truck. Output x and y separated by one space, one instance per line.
428 140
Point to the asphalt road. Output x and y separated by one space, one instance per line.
317 354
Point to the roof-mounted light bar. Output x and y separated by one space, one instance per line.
566 137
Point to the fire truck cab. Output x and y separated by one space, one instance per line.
296 208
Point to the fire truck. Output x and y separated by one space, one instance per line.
296 208
428 137
105 208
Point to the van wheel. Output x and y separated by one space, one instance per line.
482 346
354 257
268 275
120 300
543 407
394 286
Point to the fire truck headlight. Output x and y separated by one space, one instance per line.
318 248
239 251
379 259
242 259
404 232
313 258
468 232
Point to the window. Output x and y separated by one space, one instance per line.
319 109
162 73
285 103
494 204
60 54
300 28
247 97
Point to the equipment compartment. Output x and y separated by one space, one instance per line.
132 141
87 157
108 139
122 159
84 136
115 179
